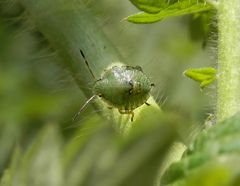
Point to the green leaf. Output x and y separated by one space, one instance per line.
7 141
215 173
8 175
136 160
213 157
87 149
199 26
41 163
176 9
204 76
149 6
107 159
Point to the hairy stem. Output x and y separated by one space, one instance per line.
228 94
69 28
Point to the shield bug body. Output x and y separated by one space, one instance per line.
122 87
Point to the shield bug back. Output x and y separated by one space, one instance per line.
122 87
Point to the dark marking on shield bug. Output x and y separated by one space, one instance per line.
123 87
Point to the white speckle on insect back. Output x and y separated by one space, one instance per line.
122 75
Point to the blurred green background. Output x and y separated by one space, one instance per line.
34 91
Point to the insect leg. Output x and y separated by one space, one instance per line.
127 112
148 104
132 113
98 80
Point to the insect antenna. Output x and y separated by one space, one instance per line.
85 104
85 60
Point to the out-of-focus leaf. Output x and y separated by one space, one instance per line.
204 76
107 159
150 6
213 157
83 152
220 171
77 142
40 165
6 178
9 134
199 25
138 161
9 174
214 173
96 155
176 9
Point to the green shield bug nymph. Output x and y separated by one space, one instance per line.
122 87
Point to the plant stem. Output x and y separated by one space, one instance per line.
228 90
69 27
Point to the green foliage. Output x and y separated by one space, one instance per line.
40 164
37 149
162 11
95 155
205 76
150 6
200 25
212 159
